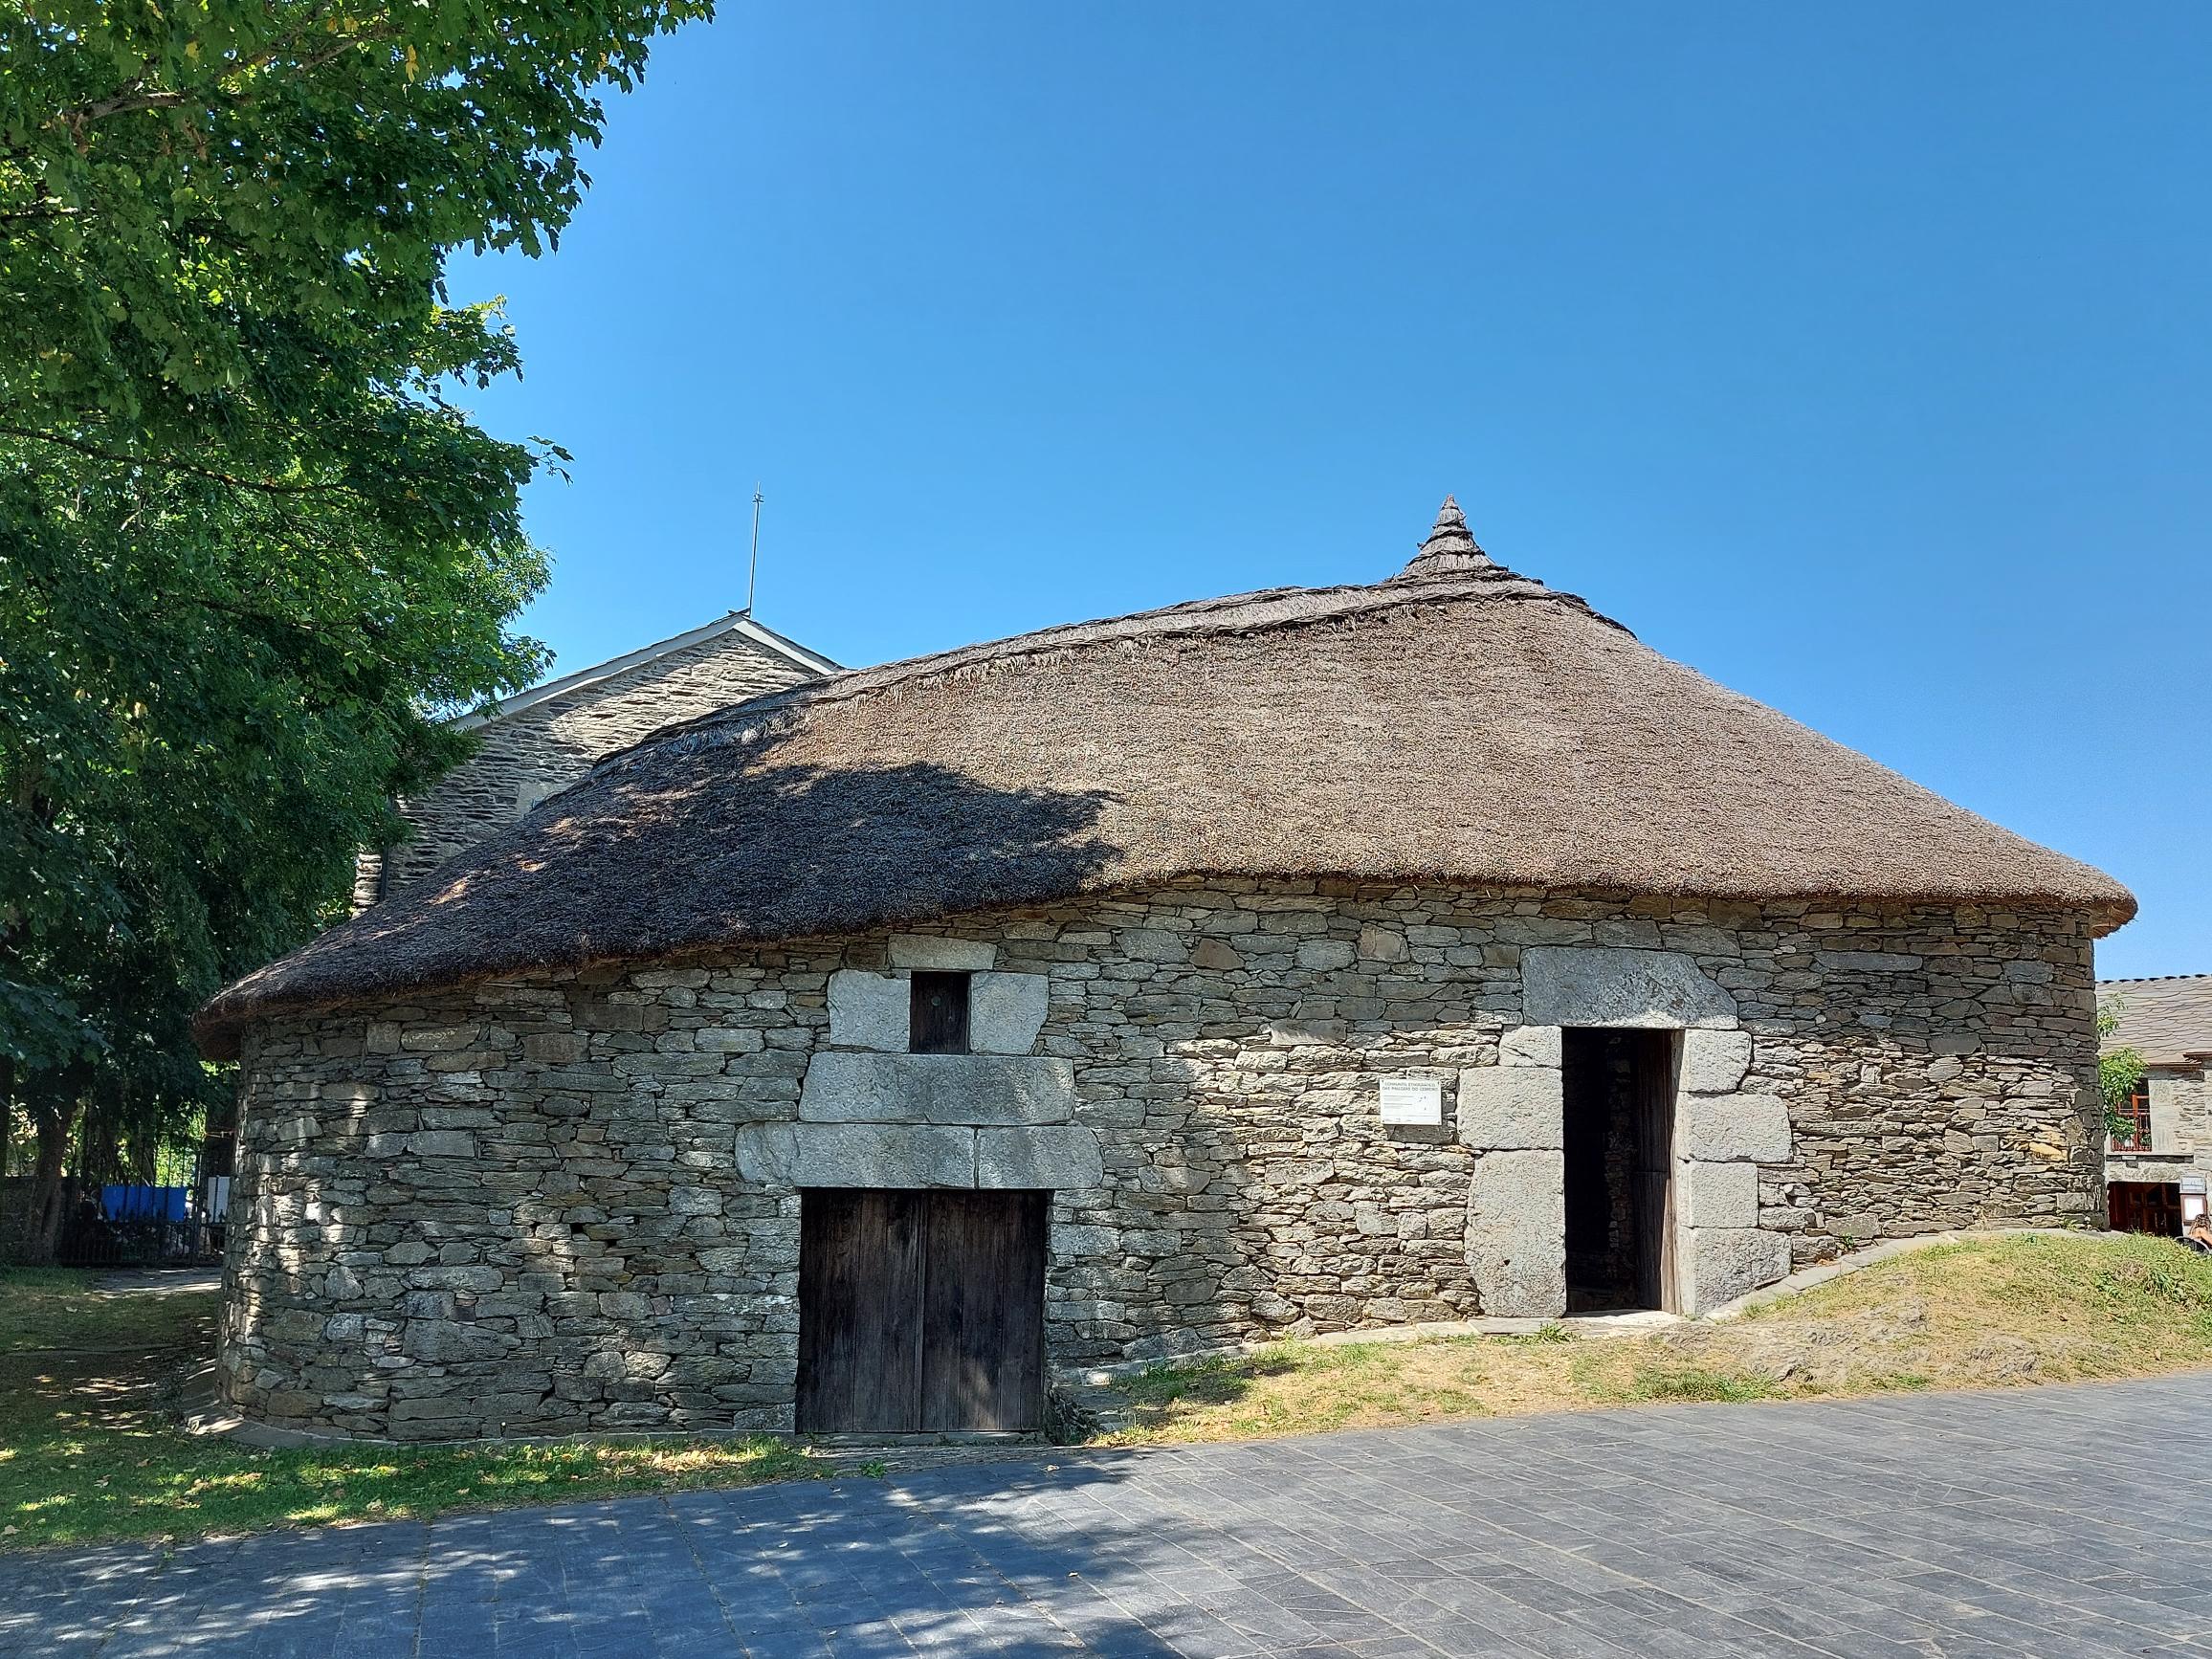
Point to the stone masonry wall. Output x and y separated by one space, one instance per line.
525 756
2181 1128
517 1208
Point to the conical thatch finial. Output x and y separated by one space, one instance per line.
1450 549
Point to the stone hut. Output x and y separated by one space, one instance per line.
859 1056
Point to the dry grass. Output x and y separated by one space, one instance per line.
1983 1314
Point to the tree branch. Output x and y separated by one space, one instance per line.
132 99
168 464
83 115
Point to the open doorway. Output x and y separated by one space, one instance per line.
2144 1207
1618 1093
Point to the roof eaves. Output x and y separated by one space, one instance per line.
736 622
761 635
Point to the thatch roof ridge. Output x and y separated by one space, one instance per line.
1264 610
1449 547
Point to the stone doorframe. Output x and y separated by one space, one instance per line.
961 1120
1512 1114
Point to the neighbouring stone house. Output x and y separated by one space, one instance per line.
856 1057
2157 1174
545 739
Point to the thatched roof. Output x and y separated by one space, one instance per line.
1455 725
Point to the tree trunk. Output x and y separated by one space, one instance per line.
52 1117
99 1139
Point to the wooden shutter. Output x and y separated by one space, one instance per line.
939 1015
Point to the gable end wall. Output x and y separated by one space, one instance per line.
537 751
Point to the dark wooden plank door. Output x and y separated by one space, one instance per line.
982 1364
920 1311
861 1290
1653 1084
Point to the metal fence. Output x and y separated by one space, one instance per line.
123 1226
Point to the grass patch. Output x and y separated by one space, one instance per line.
1668 1382
91 1447
57 1308
1987 1313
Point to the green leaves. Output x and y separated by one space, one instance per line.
235 159
2118 1073
249 552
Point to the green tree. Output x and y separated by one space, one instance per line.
2119 1069
250 548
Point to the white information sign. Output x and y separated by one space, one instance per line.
1412 1101
2192 1199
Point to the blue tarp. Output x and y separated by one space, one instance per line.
137 1203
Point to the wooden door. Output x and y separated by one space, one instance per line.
1653 1088
920 1311
860 1281
982 1364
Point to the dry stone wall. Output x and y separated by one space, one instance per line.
522 1208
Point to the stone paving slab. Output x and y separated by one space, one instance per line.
2050 1521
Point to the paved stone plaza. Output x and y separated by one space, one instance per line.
2071 1520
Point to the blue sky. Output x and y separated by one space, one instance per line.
1857 357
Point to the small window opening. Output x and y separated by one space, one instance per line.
939 1018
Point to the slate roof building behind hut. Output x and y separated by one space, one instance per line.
1300 961
2157 1174
542 739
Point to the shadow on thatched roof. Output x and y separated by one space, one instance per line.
1457 725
